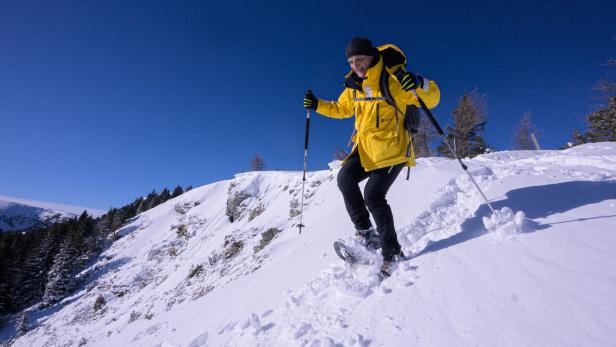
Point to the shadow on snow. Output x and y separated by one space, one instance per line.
536 202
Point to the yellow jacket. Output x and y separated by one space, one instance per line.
380 135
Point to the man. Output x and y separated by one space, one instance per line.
382 145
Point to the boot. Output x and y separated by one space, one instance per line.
389 264
369 238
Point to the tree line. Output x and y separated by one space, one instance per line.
42 264
470 119
600 124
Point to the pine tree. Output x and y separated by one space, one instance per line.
578 138
141 207
522 136
61 280
102 232
31 274
3 310
18 248
50 246
602 123
478 146
177 192
86 226
116 220
9 263
61 276
257 163
422 139
5 259
130 210
22 325
469 120
165 195
152 200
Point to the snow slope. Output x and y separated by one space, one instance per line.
184 275
18 214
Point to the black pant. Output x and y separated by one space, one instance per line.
379 182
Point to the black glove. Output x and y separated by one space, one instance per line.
409 80
310 101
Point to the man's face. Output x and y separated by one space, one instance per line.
360 64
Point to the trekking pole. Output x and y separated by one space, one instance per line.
301 215
442 133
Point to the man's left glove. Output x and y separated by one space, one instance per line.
310 101
409 80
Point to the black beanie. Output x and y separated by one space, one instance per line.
360 46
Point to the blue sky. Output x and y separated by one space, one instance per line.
103 101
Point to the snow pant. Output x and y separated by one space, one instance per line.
373 200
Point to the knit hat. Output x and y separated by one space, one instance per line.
360 46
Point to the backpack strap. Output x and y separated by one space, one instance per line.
370 99
384 86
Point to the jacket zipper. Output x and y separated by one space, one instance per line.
378 120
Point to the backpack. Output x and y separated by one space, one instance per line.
394 63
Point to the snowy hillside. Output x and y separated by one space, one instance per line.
184 274
18 214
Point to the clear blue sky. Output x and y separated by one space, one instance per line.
103 101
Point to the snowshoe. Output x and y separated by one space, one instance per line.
350 255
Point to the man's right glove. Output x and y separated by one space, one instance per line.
409 80
310 101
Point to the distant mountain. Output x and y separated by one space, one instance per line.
19 214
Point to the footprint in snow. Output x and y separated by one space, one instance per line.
199 341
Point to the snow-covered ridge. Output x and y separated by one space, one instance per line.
18 214
224 265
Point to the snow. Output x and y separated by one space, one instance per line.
505 221
544 276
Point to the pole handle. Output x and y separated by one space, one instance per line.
307 128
